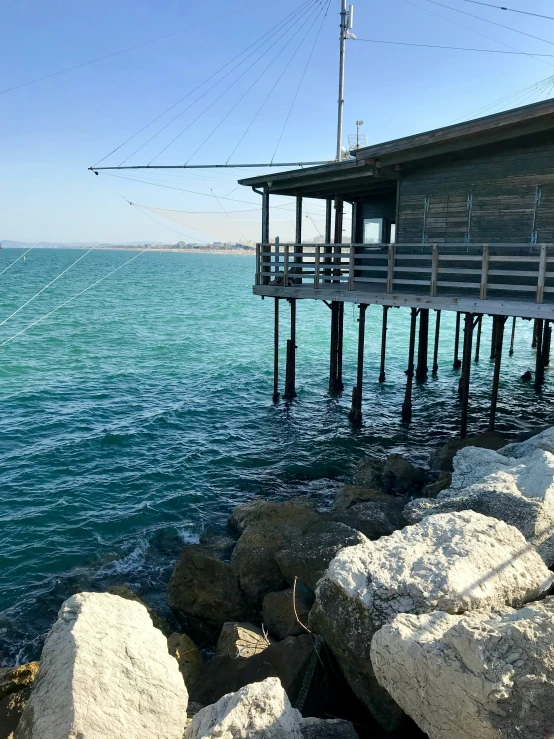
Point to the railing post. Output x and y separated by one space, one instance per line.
258 265
390 273
351 268
484 272
286 266
542 274
316 266
434 270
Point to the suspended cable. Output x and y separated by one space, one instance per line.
301 81
510 10
243 74
46 315
18 258
171 107
494 23
255 48
100 58
47 286
279 78
454 48
473 30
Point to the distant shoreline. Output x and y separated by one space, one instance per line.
237 252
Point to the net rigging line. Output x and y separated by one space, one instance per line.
229 217
301 81
473 30
453 48
10 265
99 59
48 285
323 11
260 42
311 8
510 10
46 315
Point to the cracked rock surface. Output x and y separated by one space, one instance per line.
519 491
480 675
453 562
105 673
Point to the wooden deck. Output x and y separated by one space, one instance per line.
494 279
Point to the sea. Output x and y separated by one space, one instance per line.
136 415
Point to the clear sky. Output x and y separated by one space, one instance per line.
51 131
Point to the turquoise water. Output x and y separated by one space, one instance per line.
141 412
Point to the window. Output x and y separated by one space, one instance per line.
373 230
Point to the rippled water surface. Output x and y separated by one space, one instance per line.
141 412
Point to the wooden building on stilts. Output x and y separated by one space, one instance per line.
456 219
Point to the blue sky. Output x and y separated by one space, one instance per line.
51 131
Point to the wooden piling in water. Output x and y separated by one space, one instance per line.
493 338
539 362
498 334
423 344
456 363
466 371
382 376
478 340
511 352
407 405
290 370
356 409
535 333
546 341
276 353
436 349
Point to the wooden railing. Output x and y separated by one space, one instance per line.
517 271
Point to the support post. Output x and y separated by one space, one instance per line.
466 371
382 376
276 353
498 333
539 366
513 337
436 350
290 372
478 342
335 364
456 363
535 333
356 409
422 369
546 341
493 338
407 405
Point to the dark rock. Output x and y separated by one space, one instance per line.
401 477
374 519
219 545
352 494
288 660
316 728
13 679
241 640
204 593
256 511
368 473
269 531
432 489
308 558
527 376
11 708
124 591
442 458
188 657
278 611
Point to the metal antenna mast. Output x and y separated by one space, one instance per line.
346 23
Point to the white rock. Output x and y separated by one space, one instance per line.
518 491
105 673
544 440
482 675
257 711
452 562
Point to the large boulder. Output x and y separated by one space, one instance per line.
13 679
11 708
450 562
368 472
544 441
517 491
105 673
124 591
282 611
204 593
288 660
374 519
256 711
308 558
478 675
188 657
443 457
349 495
262 511
401 477
271 529
317 728
241 640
